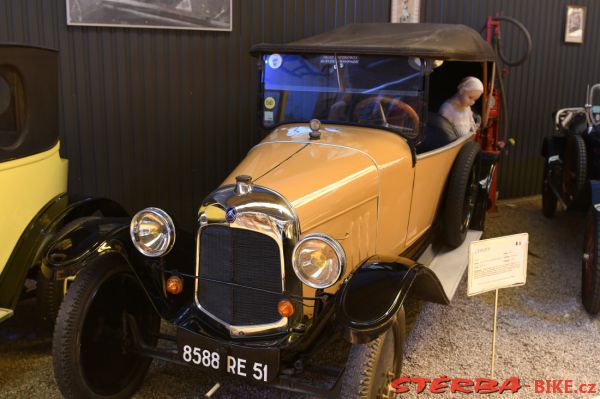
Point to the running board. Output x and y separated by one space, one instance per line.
5 314
449 265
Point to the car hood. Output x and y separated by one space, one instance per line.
321 178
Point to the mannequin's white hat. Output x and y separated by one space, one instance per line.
471 83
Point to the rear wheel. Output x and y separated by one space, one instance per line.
549 199
461 197
372 367
91 347
590 272
574 169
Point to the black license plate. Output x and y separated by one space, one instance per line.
258 364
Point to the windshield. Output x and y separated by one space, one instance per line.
367 90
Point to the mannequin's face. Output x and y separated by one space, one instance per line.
468 97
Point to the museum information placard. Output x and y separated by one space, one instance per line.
497 263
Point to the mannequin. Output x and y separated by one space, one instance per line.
457 109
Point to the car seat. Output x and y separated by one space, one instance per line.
438 133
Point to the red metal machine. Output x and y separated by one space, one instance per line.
489 135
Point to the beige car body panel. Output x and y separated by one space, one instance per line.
346 168
355 184
431 174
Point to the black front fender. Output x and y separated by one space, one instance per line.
84 239
369 299
42 229
94 239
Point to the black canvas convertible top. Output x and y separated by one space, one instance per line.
439 41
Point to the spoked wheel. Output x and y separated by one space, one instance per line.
92 342
372 367
590 272
461 197
549 199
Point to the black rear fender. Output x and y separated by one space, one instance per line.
595 193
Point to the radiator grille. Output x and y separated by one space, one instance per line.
243 257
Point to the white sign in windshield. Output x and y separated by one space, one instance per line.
342 59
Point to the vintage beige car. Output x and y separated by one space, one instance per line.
359 195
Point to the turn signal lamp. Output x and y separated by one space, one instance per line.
174 285
285 308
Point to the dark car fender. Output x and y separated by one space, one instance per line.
33 243
370 298
107 240
553 145
595 194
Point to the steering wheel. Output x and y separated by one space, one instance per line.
393 115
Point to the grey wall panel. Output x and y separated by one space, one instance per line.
159 117
156 117
555 76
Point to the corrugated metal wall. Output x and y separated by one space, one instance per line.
555 76
158 117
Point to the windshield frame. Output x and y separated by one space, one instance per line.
424 71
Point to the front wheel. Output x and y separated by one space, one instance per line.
590 272
372 367
49 295
91 345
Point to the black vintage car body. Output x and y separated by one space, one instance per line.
572 179
229 288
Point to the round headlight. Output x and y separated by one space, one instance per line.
318 260
152 232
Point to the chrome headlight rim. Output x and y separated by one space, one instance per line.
338 250
165 220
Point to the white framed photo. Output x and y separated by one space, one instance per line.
575 24
156 14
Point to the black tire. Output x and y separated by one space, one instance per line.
49 295
90 344
461 195
549 200
590 271
372 367
574 169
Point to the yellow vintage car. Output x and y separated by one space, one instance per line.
359 195
34 205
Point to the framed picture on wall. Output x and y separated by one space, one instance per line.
575 24
157 14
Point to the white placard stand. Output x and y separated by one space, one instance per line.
497 263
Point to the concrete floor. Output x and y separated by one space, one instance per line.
543 331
